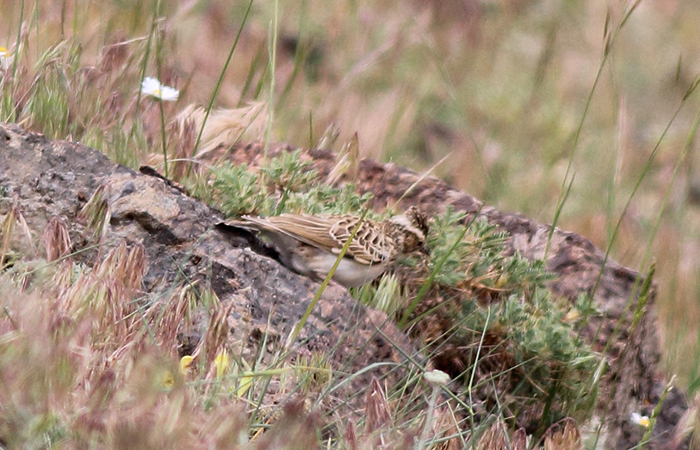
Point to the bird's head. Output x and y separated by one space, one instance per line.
414 224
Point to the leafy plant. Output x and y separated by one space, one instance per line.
489 320
284 184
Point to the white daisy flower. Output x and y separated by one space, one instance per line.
151 86
5 59
642 421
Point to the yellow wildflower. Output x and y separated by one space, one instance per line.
221 363
168 380
186 364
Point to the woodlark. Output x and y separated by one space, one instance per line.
310 245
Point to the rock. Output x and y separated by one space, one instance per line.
183 245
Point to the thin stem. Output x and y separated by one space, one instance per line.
162 137
218 85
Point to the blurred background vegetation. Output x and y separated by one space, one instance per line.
520 100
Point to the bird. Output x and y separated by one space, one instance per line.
310 244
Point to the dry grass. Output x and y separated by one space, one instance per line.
85 362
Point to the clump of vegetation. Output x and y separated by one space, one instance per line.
488 320
486 317
285 184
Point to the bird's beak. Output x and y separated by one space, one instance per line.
424 250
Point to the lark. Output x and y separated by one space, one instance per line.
310 244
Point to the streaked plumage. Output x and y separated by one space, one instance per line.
310 244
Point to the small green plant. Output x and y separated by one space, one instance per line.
489 321
284 184
238 190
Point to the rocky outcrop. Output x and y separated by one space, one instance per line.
183 245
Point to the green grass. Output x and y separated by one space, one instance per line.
577 113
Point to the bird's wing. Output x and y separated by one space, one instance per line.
311 230
330 233
370 244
